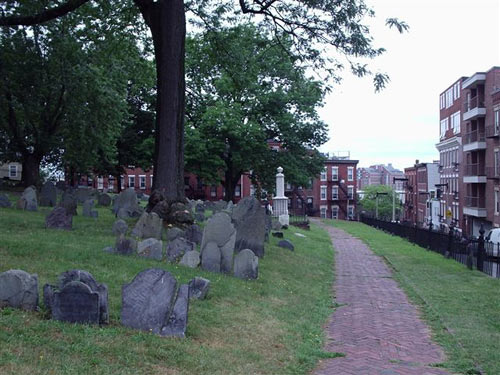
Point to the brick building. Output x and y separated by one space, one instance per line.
379 174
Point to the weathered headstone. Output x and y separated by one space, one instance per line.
150 248
125 204
61 185
104 200
48 195
249 219
278 234
4 201
220 230
149 226
125 246
176 324
199 217
211 257
177 248
18 289
219 205
198 288
59 219
190 259
286 244
155 198
88 209
194 234
246 265
174 233
119 227
82 194
180 214
147 299
30 199
69 202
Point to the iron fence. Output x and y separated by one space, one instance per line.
474 253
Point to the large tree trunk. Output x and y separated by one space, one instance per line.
167 22
31 169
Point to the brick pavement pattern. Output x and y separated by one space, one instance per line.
375 326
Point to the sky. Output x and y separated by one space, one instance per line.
447 39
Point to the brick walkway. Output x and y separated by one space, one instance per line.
376 327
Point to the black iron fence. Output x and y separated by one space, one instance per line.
474 253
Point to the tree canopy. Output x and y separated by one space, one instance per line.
385 194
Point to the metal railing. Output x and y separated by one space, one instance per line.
473 103
474 169
474 136
478 202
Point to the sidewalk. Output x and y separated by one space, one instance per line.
375 326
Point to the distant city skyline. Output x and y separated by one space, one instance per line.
447 39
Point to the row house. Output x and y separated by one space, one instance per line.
379 174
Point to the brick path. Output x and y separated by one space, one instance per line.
377 329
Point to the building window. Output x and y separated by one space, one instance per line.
322 212
237 191
350 192
131 181
142 182
443 127
350 174
111 182
497 202
12 171
323 175
213 191
335 193
496 120
456 91
335 173
100 183
350 212
455 122
449 97
335 212
252 190
323 193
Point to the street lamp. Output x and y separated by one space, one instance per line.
394 195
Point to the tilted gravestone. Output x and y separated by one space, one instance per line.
28 201
286 245
246 265
125 246
119 227
148 226
69 202
177 248
18 289
150 248
77 298
147 302
125 204
4 201
59 219
219 230
198 288
249 219
48 195
104 200
190 259
194 234
88 209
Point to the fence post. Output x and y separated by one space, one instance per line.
480 249
429 238
447 254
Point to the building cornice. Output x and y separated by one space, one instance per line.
450 142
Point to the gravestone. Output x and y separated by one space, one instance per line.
246 265
4 201
211 257
48 195
61 185
149 226
176 323
219 230
174 233
119 227
276 225
104 200
18 289
199 217
125 246
194 234
249 219
69 202
180 214
30 199
199 207
198 288
82 194
286 244
177 248
155 198
278 234
146 301
125 204
88 209
190 259
219 206
150 248
59 219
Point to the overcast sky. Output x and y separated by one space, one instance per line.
447 39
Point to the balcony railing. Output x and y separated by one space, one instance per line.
492 131
474 136
476 202
473 103
474 170
493 172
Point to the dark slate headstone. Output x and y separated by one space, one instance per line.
180 214
48 195
82 194
198 288
30 198
200 208
125 246
146 301
88 209
199 217
249 219
194 234
155 198
161 209
220 231
119 227
148 226
150 248
104 200
4 201
177 248
286 244
246 265
76 303
191 259
176 324
59 219
174 233
69 202
278 234
125 204
18 289
211 257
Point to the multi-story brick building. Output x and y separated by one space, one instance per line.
379 174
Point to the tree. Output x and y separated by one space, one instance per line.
244 90
385 196
312 25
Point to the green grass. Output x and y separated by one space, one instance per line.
461 306
272 325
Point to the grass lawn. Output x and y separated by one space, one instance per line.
461 306
269 326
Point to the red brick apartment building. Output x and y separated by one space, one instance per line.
420 188
379 174
469 151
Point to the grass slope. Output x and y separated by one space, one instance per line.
268 326
461 306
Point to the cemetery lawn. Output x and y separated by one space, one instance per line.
461 306
269 326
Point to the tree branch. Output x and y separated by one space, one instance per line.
44 16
